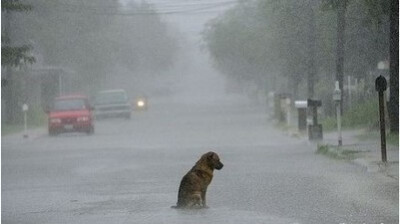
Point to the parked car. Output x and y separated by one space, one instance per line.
112 103
70 113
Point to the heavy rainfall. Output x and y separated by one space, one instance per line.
123 111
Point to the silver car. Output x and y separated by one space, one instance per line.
112 103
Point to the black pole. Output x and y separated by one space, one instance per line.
382 125
381 86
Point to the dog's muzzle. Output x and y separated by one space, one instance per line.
219 166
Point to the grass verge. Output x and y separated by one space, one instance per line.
391 138
335 152
35 118
361 115
7 129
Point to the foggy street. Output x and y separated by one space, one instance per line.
129 171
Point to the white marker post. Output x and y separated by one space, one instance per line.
288 115
25 109
337 97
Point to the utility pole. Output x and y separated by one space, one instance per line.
394 67
341 28
311 51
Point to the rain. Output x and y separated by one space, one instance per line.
109 106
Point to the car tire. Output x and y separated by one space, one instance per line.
90 131
52 132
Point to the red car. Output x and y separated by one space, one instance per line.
70 113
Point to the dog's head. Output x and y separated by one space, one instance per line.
213 161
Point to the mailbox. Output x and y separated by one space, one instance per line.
301 106
380 84
314 130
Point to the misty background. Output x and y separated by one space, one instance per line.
195 50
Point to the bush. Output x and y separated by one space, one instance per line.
364 114
36 116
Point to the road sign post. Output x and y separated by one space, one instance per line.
337 97
380 86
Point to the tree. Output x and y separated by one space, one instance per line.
257 41
99 40
12 56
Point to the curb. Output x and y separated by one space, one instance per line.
376 167
370 167
32 134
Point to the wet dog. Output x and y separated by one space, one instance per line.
193 187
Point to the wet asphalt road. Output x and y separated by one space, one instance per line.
129 172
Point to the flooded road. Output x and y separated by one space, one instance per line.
129 172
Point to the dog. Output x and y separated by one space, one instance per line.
193 187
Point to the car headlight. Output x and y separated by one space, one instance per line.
55 120
82 119
140 103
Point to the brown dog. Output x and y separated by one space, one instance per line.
193 187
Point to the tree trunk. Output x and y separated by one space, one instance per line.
394 67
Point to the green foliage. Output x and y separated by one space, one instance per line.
259 40
329 123
361 115
95 41
391 138
16 56
14 5
335 152
35 118
7 129
12 55
256 41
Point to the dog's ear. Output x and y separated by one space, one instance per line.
212 156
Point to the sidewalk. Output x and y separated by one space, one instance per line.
33 133
367 153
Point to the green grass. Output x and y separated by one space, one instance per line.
392 139
7 129
361 115
335 152
35 118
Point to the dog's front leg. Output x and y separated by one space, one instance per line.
203 198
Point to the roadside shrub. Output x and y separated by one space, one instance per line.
36 116
363 114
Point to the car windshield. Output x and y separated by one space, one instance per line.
69 104
111 97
